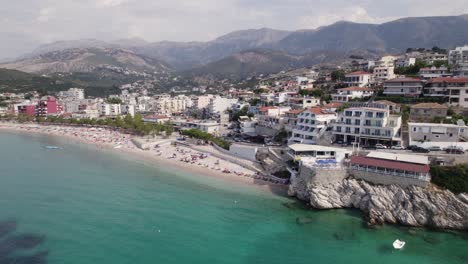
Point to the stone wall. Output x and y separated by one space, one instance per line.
322 176
386 179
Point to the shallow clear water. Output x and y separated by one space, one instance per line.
91 206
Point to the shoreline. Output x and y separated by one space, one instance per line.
121 144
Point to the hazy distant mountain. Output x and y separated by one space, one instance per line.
186 55
325 42
395 36
85 60
254 62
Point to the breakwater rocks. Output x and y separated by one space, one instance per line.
411 206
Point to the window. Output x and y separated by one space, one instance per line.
380 115
348 121
357 114
368 122
367 131
348 113
356 131
370 114
378 123
348 130
338 129
357 122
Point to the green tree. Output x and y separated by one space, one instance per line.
338 75
114 100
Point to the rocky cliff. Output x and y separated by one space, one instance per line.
412 206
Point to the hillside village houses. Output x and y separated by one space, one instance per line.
344 95
434 72
459 59
358 78
403 87
427 111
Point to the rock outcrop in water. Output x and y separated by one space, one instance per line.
412 206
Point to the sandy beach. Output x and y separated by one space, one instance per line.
166 154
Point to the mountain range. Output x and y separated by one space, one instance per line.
242 53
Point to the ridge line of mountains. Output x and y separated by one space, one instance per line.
250 52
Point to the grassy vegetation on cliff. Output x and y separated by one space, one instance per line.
454 178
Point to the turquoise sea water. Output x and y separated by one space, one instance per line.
82 205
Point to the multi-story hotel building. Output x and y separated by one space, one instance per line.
311 124
368 124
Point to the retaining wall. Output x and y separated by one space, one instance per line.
387 179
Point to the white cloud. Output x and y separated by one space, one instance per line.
199 20
45 14
109 3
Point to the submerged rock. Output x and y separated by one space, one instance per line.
304 220
411 206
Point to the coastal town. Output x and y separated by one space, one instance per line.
386 122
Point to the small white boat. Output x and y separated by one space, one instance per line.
52 147
398 244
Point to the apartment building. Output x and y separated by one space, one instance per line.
434 72
428 111
303 102
454 88
383 73
433 132
271 120
359 79
368 124
110 109
220 104
348 94
404 87
311 124
458 58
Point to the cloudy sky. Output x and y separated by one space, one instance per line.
24 24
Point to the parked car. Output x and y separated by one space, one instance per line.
454 150
380 146
369 147
398 147
411 147
420 150
435 148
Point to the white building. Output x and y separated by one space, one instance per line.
72 94
106 109
128 109
220 104
211 127
359 79
201 102
303 102
386 61
441 135
455 88
368 124
403 86
458 58
383 73
434 72
247 126
405 62
165 104
344 95
311 124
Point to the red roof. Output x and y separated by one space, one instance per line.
448 80
359 73
333 105
266 108
397 80
318 111
294 112
390 164
354 89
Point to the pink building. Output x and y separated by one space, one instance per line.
29 110
47 107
